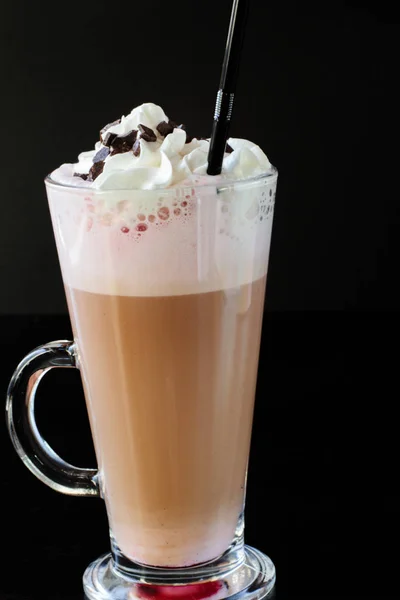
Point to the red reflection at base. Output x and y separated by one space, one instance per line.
197 591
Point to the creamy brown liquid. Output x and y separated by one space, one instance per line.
170 383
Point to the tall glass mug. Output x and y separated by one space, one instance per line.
165 290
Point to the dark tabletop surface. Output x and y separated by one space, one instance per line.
322 492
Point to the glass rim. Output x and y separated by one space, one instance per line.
272 173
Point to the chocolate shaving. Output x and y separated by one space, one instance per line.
124 143
164 128
147 134
96 170
83 176
101 155
228 149
103 131
136 148
108 139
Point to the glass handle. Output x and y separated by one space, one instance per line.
34 451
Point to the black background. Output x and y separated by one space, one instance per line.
316 91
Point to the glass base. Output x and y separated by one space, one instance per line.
252 579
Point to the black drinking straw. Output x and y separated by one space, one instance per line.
227 86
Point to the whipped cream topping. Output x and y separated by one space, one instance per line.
137 152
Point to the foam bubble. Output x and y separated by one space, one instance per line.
139 243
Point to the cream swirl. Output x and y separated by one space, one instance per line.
161 163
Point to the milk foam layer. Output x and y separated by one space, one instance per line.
162 243
162 163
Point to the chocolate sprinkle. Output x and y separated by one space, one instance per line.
147 134
117 122
228 149
83 176
96 170
101 155
136 148
164 128
124 143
